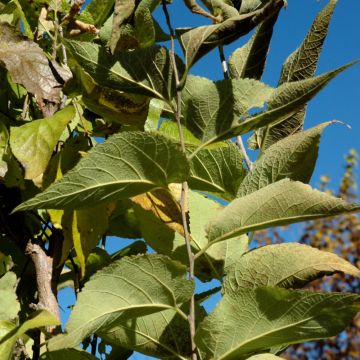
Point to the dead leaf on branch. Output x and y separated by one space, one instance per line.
29 66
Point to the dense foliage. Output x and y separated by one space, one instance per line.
103 132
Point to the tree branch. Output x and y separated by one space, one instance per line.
184 187
46 286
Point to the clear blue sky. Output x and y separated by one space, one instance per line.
340 100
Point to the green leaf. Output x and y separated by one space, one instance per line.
221 9
277 162
128 288
36 320
218 170
285 101
144 26
87 228
9 305
4 149
211 108
163 335
67 354
254 320
123 222
126 164
166 241
300 65
122 12
24 21
284 202
144 71
34 142
99 10
196 42
265 357
284 265
154 114
35 71
249 60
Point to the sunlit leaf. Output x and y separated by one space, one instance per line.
212 108
163 335
166 241
9 305
277 162
218 170
127 288
251 320
37 319
125 165
284 265
286 100
284 202
299 65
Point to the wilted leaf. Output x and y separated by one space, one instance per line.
252 320
284 265
34 142
218 170
127 288
144 71
9 305
277 162
199 41
284 202
125 165
35 71
249 60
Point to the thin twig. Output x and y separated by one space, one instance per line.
239 141
223 62
94 344
240 144
184 187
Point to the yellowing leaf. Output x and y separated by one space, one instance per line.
161 203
